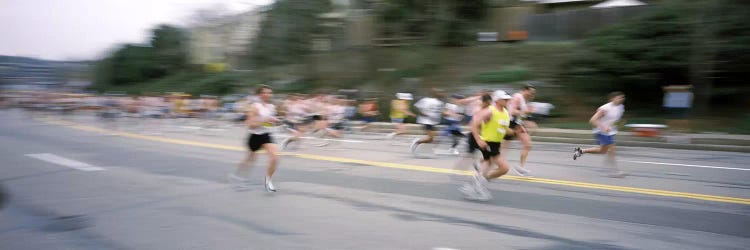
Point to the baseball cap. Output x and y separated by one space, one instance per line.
499 94
404 96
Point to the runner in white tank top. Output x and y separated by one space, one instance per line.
260 117
519 109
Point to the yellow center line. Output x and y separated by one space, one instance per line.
626 189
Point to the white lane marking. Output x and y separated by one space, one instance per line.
688 165
52 158
327 139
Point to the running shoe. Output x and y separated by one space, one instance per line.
469 192
455 151
480 186
269 185
238 182
285 143
414 145
577 152
617 174
390 136
483 194
521 171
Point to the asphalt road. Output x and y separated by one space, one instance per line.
78 184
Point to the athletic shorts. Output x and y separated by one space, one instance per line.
292 125
494 148
368 119
337 126
255 141
428 127
604 140
397 120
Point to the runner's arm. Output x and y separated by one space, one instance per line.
468 100
595 118
476 126
251 117
513 107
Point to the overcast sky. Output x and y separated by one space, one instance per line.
86 29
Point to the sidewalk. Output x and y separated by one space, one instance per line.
715 142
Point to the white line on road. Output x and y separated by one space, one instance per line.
327 139
687 165
52 158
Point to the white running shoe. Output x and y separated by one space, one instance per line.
617 174
521 171
469 192
238 182
414 145
390 136
480 187
269 185
285 143
484 194
455 151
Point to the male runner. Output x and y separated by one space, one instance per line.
519 110
431 111
488 129
260 117
605 129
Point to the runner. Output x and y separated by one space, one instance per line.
472 104
399 112
336 111
488 128
605 128
468 158
260 118
317 109
431 110
453 114
519 110
294 113
369 112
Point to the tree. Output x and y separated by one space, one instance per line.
451 21
166 54
677 42
284 36
170 49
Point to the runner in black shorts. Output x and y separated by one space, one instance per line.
488 128
260 118
492 150
431 111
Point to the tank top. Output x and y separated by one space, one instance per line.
395 112
264 112
494 129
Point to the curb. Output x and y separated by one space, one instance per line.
585 137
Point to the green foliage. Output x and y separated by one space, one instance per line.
660 48
284 36
195 83
169 49
452 22
166 55
505 75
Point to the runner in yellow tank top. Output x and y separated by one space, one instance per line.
488 128
399 112
493 130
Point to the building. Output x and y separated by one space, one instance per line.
220 44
